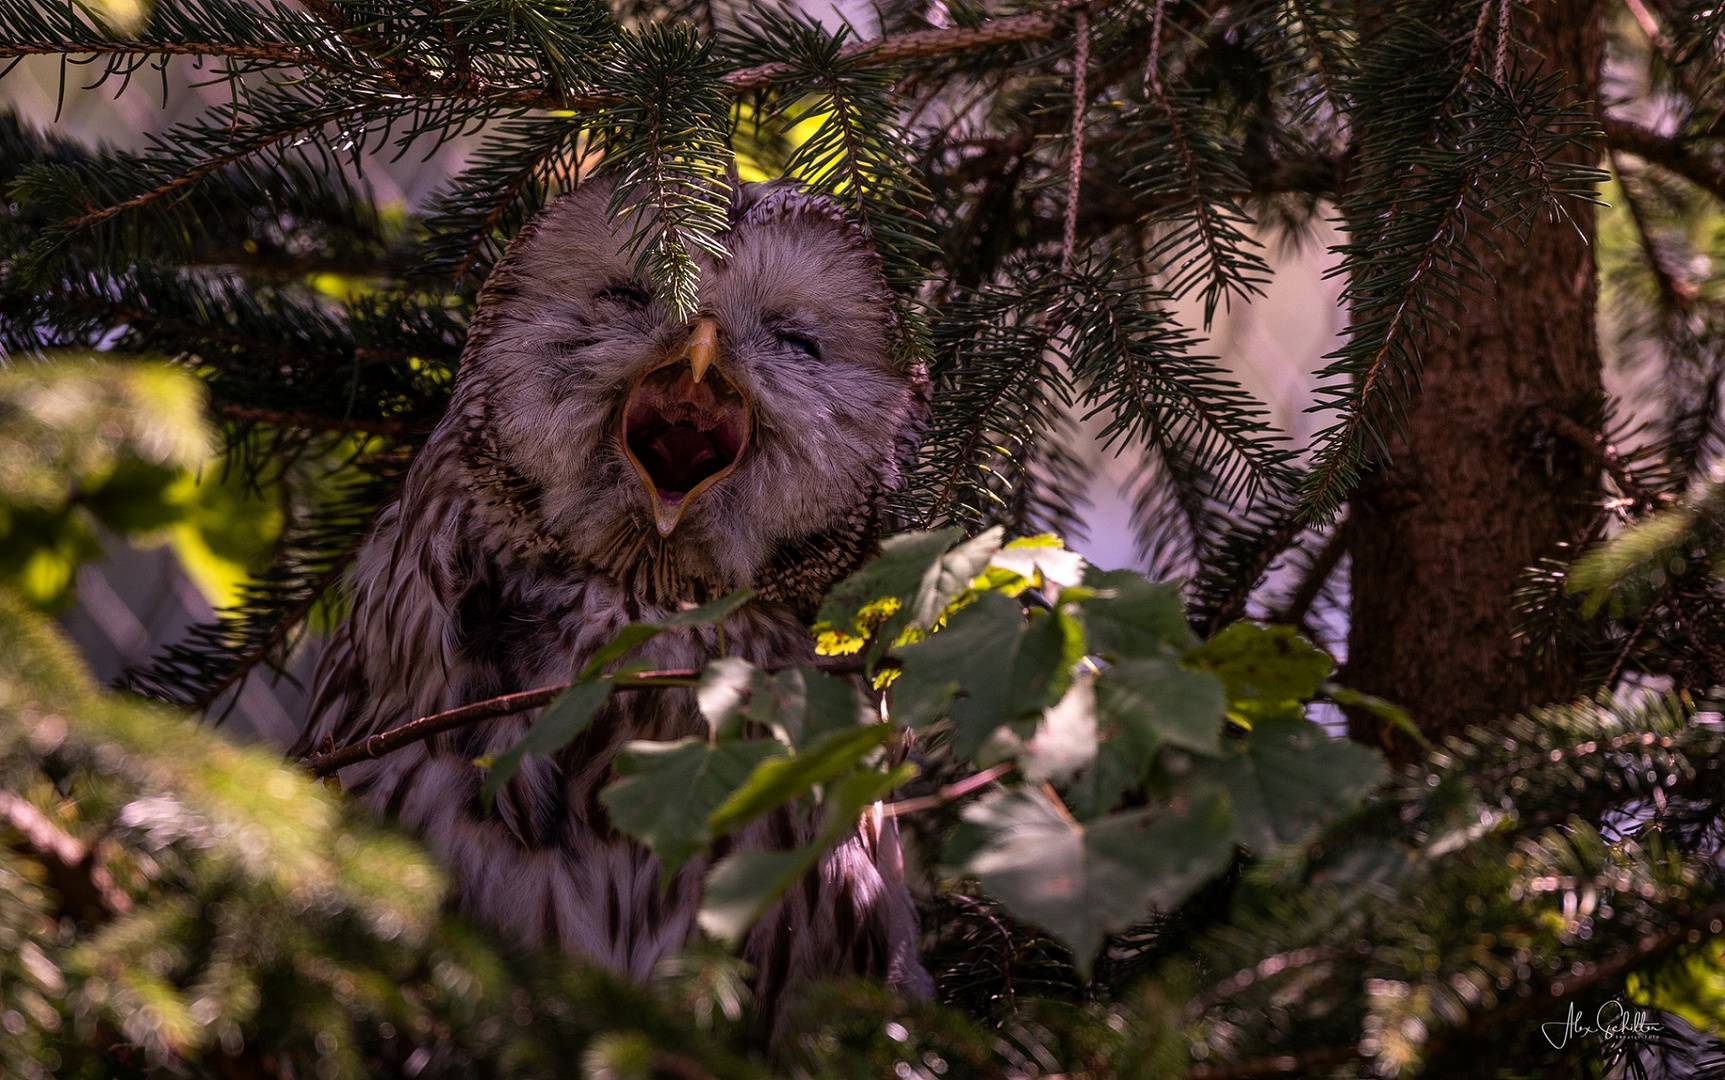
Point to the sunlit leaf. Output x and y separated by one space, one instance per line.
1268 670
911 583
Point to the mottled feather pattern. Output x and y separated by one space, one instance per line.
523 540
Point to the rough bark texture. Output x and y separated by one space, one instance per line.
1477 491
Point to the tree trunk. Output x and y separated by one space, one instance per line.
1478 491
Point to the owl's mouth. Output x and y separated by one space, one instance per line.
683 434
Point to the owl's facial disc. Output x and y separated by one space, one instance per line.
684 427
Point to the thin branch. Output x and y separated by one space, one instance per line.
1075 163
415 731
1674 155
1605 454
282 54
1317 576
958 789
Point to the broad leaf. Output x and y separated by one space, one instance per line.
555 728
668 790
1065 742
1268 670
1044 556
1099 787
1146 703
740 888
1081 882
986 668
1287 778
1132 616
799 705
776 782
636 634
910 584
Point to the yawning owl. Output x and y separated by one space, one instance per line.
605 461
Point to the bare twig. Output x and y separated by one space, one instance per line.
958 789
1604 453
415 731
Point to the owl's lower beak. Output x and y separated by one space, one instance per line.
685 425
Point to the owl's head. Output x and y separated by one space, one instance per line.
706 445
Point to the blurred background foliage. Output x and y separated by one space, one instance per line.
94 450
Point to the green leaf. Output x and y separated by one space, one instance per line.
1081 882
833 704
915 576
1099 787
800 705
1043 555
1065 742
1268 670
1286 778
636 634
776 782
741 887
668 789
1384 710
1132 616
985 668
555 728
723 694
1146 703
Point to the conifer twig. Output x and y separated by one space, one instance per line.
1075 165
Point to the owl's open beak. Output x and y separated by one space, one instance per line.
684 426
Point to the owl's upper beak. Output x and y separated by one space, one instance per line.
685 425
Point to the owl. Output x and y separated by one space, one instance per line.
605 460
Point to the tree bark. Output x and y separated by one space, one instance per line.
1477 491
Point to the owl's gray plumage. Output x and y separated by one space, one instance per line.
524 538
